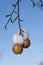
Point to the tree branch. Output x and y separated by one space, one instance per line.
41 3
33 3
17 17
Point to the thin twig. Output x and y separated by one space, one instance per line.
11 14
41 3
33 3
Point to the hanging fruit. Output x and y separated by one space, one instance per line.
26 42
17 48
18 44
21 39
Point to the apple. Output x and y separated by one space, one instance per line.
26 43
17 48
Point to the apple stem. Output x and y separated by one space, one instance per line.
19 20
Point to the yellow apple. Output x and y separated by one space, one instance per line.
17 48
26 43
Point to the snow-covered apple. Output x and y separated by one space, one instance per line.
18 43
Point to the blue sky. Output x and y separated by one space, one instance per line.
33 22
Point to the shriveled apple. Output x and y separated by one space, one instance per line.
17 48
26 43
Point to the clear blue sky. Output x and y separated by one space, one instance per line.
33 22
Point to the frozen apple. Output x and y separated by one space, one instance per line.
17 48
26 43
18 43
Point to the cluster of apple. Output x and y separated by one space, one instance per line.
20 42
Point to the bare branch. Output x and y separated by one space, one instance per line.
41 3
33 3
21 20
8 15
14 5
6 24
15 18
11 19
